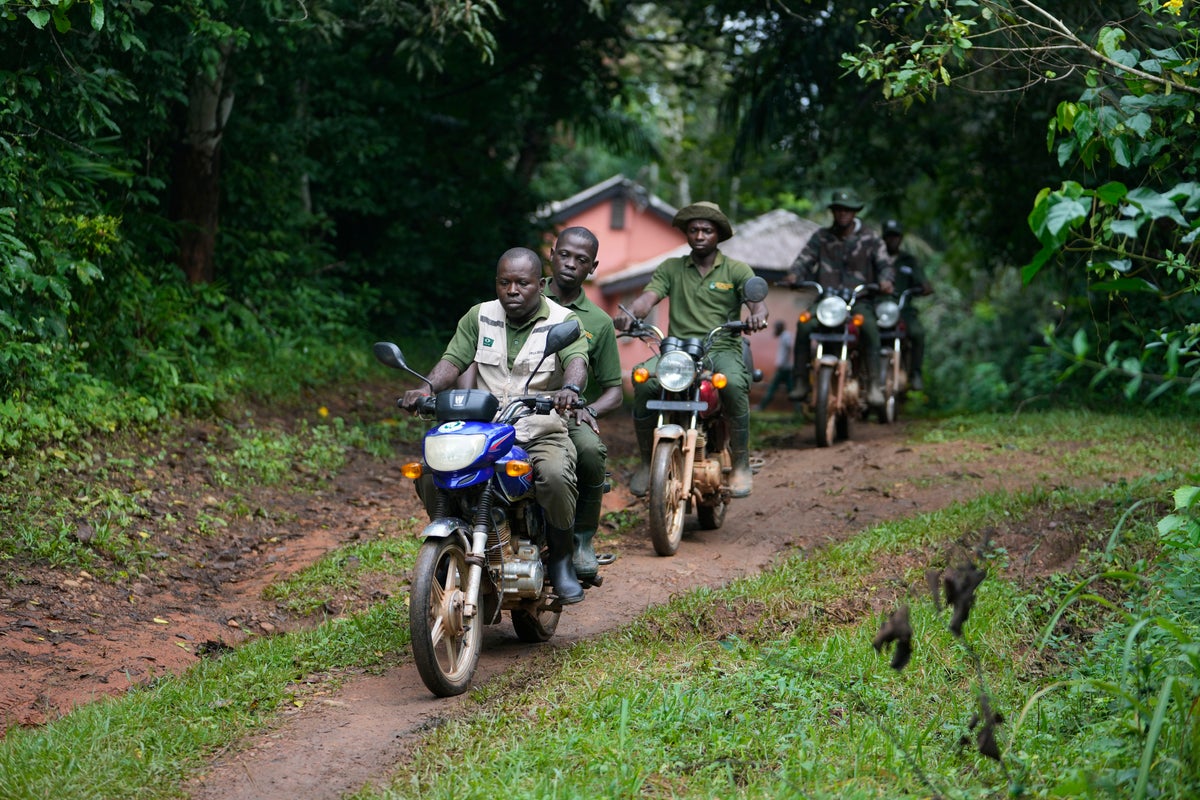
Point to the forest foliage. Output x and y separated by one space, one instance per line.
203 200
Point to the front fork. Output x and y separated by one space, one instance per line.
477 558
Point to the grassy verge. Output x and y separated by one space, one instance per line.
769 687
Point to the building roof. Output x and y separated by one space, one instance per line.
768 243
616 186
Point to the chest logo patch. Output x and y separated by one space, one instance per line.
488 341
720 286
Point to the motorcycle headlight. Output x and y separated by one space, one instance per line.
831 311
676 370
887 313
448 453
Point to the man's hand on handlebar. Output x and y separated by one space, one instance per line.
756 322
412 400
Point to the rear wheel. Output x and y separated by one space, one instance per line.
826 417
445 642
535 626
666 497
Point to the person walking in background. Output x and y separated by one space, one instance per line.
909 275
783 365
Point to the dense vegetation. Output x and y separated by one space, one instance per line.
202 199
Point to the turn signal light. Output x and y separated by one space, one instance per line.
719 380
858 320
641 375
412 470
515 469
805 317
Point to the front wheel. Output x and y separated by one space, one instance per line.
891 387
666 497
445 642
826 417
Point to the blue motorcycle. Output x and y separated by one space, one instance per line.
485 546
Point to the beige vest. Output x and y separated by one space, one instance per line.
491 356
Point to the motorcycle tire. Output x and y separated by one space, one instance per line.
667 503
535 626
445 644
891 401
826 417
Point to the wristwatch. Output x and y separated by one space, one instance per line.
591 410
573 388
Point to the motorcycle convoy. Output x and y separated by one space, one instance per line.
485 548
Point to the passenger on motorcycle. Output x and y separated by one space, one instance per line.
573 259
505 339
909 275
844 255
705 288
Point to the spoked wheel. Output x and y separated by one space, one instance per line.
445 643
826 417
891 386
536 625
666 497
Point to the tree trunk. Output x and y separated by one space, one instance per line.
198 169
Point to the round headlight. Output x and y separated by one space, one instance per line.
831 311
676 370
455 451
888 313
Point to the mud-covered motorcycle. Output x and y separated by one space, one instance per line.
484 549
690 459
895 351
838 367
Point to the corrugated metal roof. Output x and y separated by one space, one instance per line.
617 185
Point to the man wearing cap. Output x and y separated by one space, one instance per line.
909 275
844 255
705 288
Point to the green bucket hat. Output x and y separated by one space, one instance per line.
846 198
704 210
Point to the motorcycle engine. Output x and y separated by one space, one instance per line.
523 575
706 475
851 393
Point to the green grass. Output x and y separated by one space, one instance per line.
768 687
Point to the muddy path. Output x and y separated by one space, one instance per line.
803 498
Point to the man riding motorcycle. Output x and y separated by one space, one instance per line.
844 255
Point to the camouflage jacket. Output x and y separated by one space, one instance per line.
832 261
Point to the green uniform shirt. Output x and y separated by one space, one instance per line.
461 350
604 363
699 304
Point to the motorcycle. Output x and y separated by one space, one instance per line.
895 352
690 457
484 549
838 372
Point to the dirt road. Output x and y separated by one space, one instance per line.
803 498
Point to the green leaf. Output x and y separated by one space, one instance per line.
39 18
1079 344
1125 285
97 14
1112 192
1030 270
1186 497
1156 205
1126 227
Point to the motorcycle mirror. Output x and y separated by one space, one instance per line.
755 289
389 355
561 335
558 337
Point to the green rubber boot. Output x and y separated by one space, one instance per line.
741 480
587 519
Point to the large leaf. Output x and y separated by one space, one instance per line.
1157 205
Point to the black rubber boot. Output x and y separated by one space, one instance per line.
559 568
799 392
639 484
741 480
